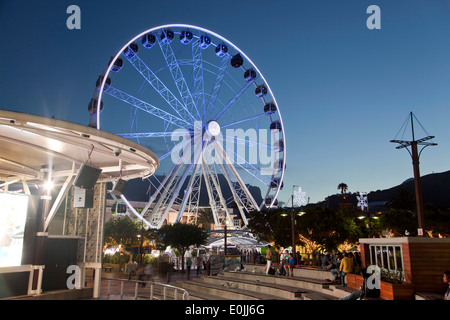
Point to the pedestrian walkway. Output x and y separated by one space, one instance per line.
115 286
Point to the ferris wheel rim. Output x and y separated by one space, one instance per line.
209 32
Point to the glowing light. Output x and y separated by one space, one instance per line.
299 197
362 202
48 185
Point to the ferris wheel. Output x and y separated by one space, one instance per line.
203 107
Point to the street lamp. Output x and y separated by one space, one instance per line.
415 155
297 199
363 202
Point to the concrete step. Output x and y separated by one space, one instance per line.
292 288
297 282
304 272
313 279
200 289
281 291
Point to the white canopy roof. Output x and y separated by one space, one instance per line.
29 142
238 242
36 149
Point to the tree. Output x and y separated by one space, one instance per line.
324 226
403 199
271 226
121 231
181 236
398 221
205 218
343 187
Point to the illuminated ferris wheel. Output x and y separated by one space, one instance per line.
203 107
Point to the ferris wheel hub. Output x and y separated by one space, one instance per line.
213 128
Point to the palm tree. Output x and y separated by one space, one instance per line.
205 218
343 187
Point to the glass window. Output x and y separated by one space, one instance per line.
378 251
391 258
387 257
398 257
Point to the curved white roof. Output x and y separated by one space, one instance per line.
29 142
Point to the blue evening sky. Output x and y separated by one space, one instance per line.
343 90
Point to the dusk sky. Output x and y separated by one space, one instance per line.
343 90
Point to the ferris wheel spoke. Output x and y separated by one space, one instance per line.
178 78
259 175
217 84
146 107
216 199
239 199
199 86
140 135
196 160
170 176
233 100
253 143
172 187
233 170
187 194
242 120
160 87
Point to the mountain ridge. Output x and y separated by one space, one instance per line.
435 192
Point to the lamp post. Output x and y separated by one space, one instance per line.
364 203
415 155
297 200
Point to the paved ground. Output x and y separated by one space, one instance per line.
114 288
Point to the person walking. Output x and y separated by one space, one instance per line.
188 268
269 255
283 257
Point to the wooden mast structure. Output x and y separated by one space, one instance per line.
415 155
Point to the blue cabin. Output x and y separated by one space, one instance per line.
250 75
261 91
131 50
186 36
270 108
237 61
204 41
148 40
167 36
118 64
275 126
92 107
221 50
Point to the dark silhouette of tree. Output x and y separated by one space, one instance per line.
403 199
401 222
343 187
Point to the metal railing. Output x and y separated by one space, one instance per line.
144 290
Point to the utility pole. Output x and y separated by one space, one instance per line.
415 155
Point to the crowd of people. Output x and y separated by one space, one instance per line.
341 264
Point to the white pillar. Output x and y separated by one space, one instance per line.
97 282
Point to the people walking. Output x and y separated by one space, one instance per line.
269 255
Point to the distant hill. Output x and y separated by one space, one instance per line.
435 192
138 190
